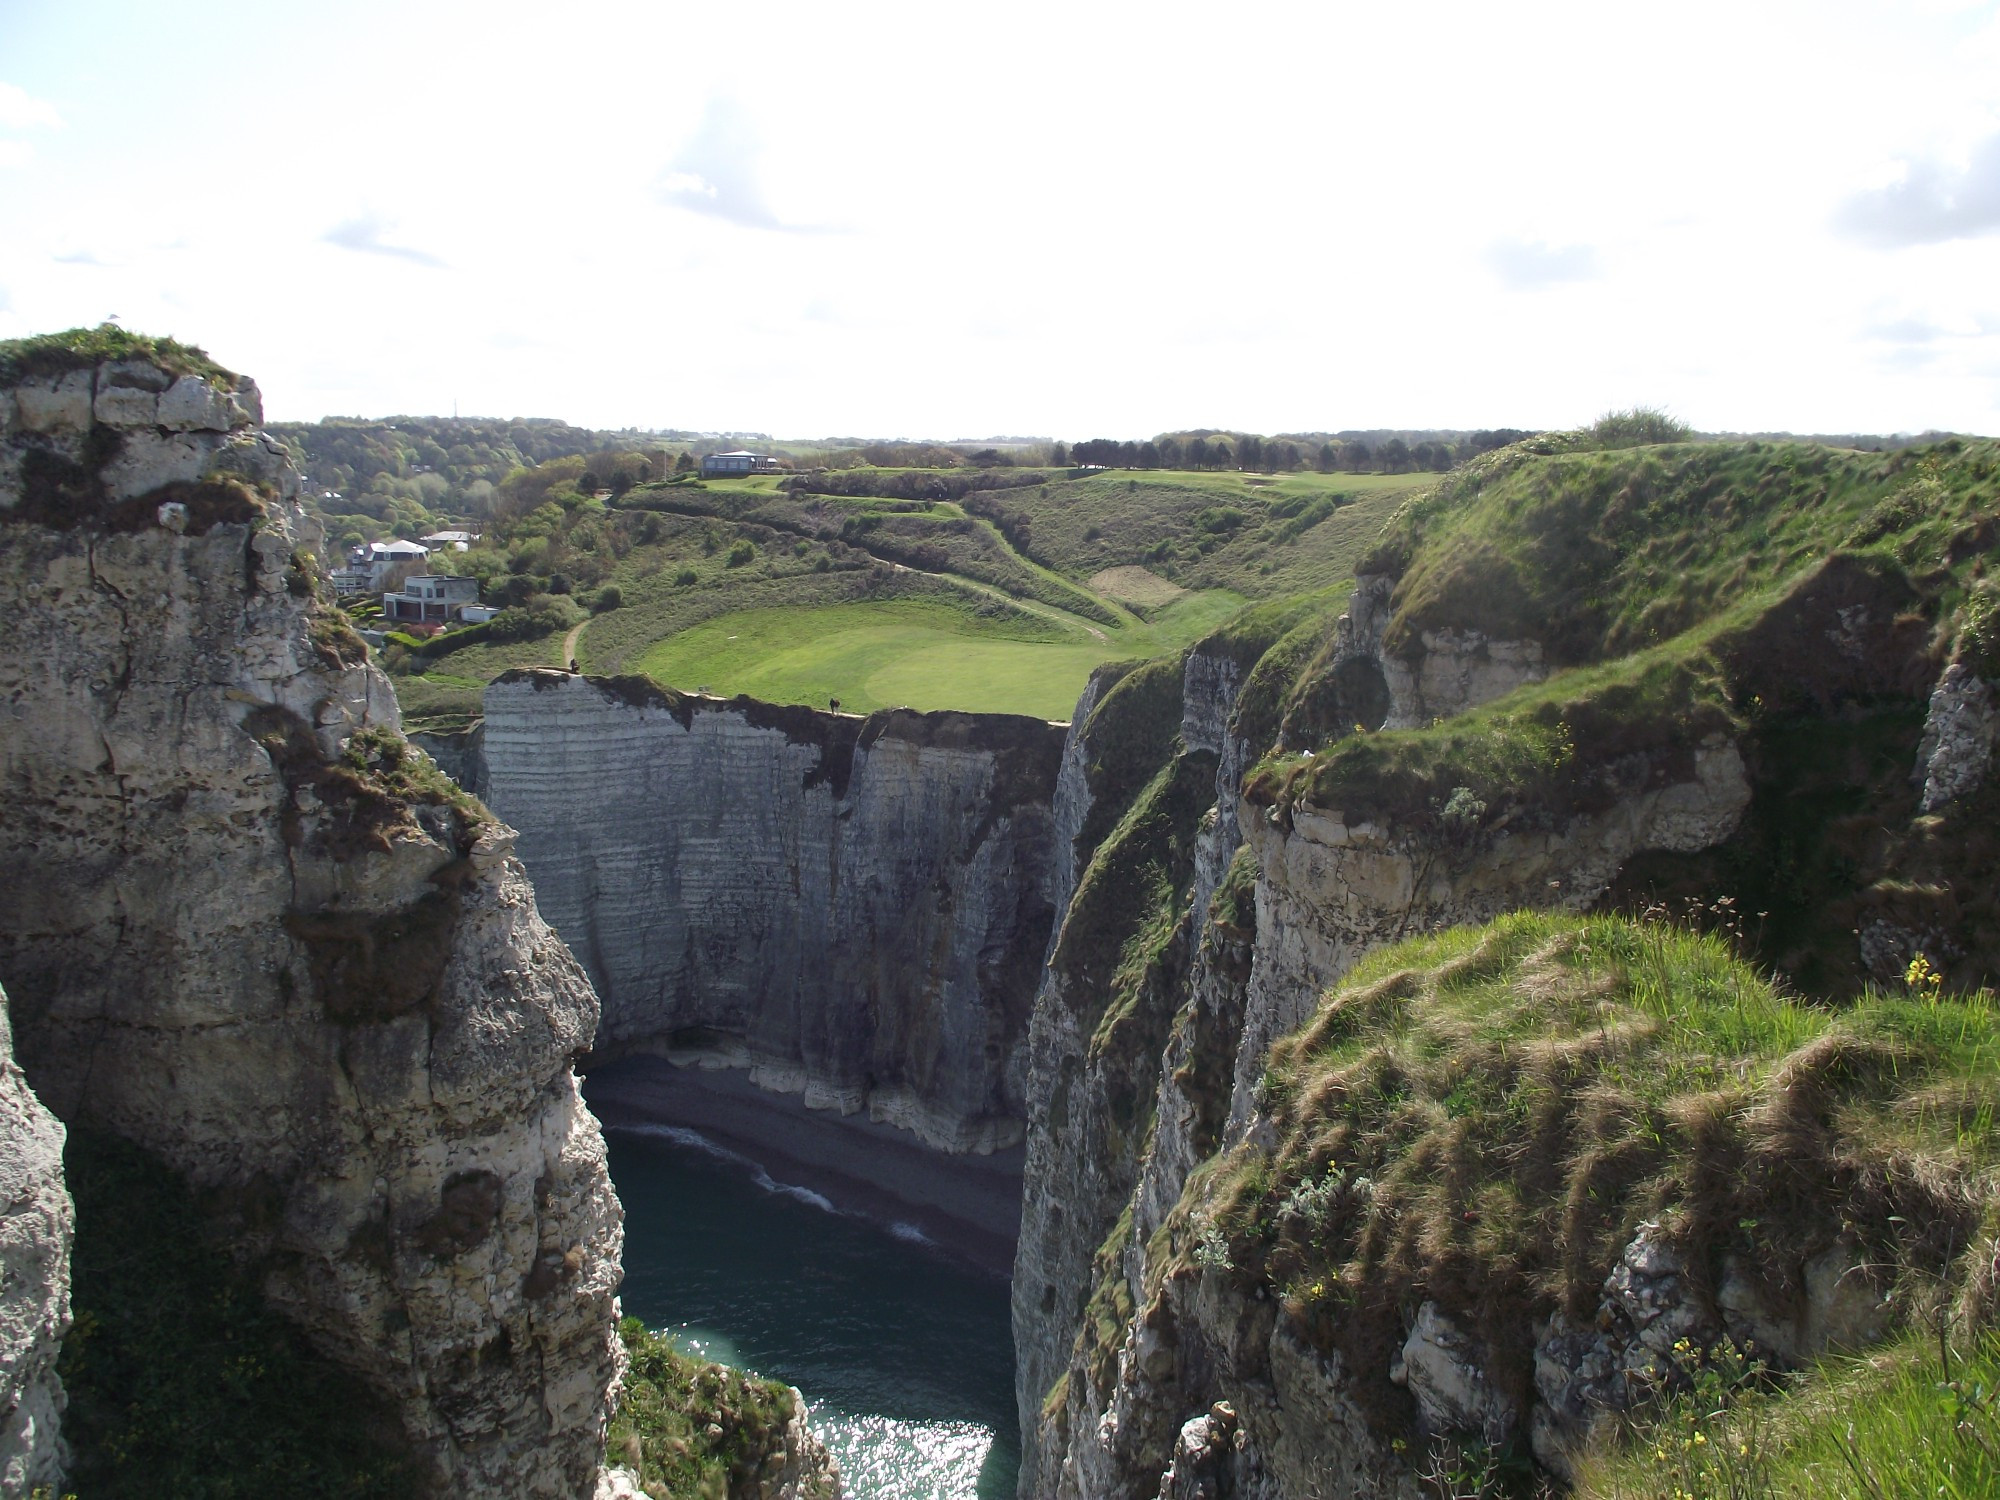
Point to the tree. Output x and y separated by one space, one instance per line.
1198 453
1170 453
685 463
1395 455
1221 454
1356 456
1250 451
1329 458
1059 456
1149 455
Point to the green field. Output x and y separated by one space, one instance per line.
995 599
911 653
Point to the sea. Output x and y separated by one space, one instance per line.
903 1351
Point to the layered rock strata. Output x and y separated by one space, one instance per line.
853 909
37 1224
245 927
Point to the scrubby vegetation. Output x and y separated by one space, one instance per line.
1915 1420
82 348
1486 1117
182 1384
692 1430
1597 553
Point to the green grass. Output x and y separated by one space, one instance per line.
881 601
905 652
1597 553
1258 535
1910 1422
1487 1115
81 348
668 1406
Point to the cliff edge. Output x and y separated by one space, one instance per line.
246 928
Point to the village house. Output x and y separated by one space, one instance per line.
383 557
429 600
728 465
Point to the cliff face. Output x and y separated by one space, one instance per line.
245 928
852 909
1279 902
1800 752
37 1223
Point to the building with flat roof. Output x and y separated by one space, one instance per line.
723 465
430 600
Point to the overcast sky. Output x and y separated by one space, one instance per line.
1068 219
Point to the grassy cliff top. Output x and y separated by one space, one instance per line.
82 348
1487 1116
1596 553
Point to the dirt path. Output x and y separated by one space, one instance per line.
569 644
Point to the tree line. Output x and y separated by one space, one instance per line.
1249 450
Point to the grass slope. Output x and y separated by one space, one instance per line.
924 653
1486 1116
1600 553
1255 534
893 598
1913 1421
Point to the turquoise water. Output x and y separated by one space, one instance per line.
903 1354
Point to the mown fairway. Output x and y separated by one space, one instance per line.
909 652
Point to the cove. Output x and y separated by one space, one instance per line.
902 1350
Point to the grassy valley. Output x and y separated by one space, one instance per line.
911 587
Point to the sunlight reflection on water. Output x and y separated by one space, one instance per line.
904 1355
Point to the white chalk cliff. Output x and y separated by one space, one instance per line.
241 930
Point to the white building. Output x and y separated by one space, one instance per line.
384 556
457 541
431 600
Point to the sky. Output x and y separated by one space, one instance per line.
1069 220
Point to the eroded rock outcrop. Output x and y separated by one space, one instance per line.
246 928
853 909
37 1223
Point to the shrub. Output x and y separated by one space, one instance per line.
687 1427
608 597
1637 426
541 615
687 576
740 554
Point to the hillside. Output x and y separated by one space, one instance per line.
764 586
1338 1125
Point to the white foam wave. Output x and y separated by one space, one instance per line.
803 1194
680 1135
911 1234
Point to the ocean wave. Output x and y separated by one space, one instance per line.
680 1135
694 1140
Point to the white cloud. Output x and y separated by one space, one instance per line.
1525 266
716 171
15 153
364 233
1930 201
20 110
